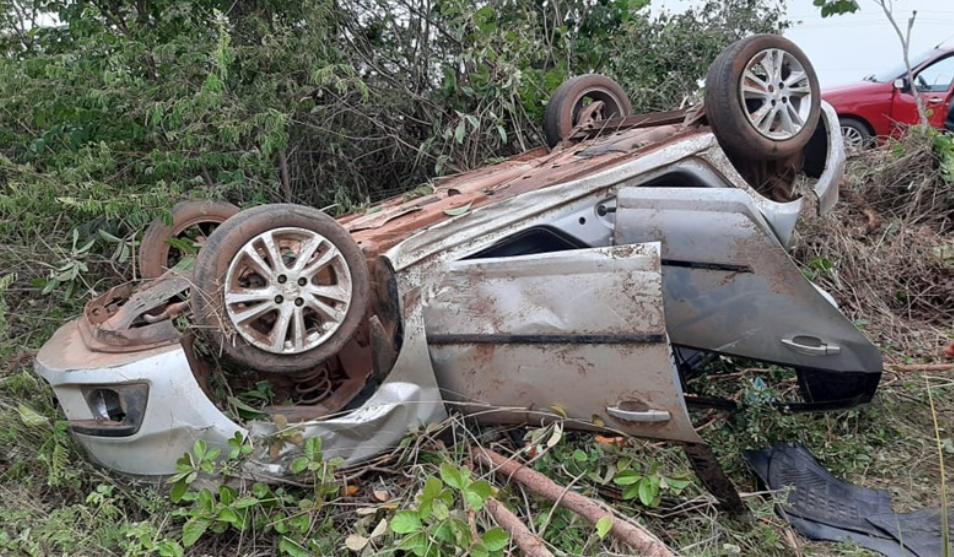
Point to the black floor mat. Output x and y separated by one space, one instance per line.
920 530
822 507
818 531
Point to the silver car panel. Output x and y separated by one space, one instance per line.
177 412
577 334
729 285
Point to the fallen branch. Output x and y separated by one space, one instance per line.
922 368
527 541
641 540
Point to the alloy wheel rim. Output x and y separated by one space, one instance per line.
287 290
852 137
776 94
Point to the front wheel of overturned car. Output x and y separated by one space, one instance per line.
280 288
584 101
762 98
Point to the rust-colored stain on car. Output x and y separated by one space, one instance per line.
394 220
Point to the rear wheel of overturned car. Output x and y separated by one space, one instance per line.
164 245
583 101
762 98
281 288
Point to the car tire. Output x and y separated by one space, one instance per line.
156 254
774 113
565 104
856 135
226 270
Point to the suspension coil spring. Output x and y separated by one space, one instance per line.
314 385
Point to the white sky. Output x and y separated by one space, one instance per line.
846 48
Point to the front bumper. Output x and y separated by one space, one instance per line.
125 431
139 412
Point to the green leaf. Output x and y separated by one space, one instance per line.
199 449
457 211
677 485
244 409
30 417
603 526
313 448
628 477
290 547
631 492
416 543
452 475
440 510
193 530
495 539
460 131
432 488
230 516
178 490
245 502
477 493
299 465
406 522
648 490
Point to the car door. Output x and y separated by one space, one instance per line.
933 84
576 333
730 287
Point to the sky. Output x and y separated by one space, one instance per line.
846 48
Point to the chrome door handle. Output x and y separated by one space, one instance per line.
935 100
644 416
811 345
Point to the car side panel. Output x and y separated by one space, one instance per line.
730 287
576 334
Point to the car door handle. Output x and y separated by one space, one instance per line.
935 100
811 345
642 416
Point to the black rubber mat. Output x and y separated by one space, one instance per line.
817 495
920 530
889 547
822 507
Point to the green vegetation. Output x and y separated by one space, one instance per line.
111 111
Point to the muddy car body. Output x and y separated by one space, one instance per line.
580 283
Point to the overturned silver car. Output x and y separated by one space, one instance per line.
579 281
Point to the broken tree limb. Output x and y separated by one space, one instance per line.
641 540
527 541
921 368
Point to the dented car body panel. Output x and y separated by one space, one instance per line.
516 338
526 291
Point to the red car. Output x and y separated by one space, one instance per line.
883 102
